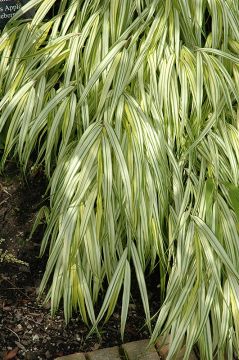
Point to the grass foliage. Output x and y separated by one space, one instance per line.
132 109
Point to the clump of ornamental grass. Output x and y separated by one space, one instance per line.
132 109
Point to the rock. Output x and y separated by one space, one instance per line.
48 354
19 328
35 338
139 350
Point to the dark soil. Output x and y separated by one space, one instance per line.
26 327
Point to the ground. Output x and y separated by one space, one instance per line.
26 328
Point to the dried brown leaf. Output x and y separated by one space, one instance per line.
11 354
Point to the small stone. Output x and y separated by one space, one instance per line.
19 327
48 354
35 338
25 342
78 338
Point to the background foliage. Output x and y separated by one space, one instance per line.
132 109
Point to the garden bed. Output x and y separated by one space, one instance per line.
26 326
